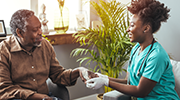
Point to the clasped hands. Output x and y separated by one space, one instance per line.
93 80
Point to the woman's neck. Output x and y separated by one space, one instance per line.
146 43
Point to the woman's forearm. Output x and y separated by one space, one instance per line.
126 89
144 87
123 81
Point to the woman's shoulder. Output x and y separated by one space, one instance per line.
158 51
157 48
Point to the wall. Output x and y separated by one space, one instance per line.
169 33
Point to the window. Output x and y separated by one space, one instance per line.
8 7
74 7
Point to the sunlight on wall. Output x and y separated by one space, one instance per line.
124 1
8 7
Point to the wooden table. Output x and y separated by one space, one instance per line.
55 39
58 39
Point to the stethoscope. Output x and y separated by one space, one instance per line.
144 57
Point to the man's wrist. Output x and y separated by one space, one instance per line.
74 74
37 96
75 71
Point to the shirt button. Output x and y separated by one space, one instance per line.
34 79
32 66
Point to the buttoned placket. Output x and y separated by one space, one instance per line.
29 54
33 68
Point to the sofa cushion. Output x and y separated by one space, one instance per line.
57 90
176 71
115 95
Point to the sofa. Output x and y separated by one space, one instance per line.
56 90
59 91
115 95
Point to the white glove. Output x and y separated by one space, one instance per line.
101 75
83 72
96 83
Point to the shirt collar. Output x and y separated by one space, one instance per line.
15 45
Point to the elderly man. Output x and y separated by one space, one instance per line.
27 60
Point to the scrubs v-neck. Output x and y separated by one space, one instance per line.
156 67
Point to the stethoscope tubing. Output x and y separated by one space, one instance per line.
144 57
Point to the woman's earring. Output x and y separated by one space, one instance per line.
144 31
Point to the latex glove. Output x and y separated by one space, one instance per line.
82 73
101 75
85 74
96 83
89 74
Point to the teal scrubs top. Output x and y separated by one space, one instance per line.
156 67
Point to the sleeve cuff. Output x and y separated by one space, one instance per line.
27 93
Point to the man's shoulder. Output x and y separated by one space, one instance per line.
45 43
6 44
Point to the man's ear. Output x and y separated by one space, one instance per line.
19 32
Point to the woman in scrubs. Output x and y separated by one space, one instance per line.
150 75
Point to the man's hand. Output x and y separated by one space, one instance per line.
89 74
37 96
92 74
81 71
96 83
85 74
101 75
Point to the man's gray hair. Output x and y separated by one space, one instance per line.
18 20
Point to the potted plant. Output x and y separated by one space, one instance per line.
109 45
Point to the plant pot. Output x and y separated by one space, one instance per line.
100 96
107 89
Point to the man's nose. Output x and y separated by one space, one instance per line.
40 31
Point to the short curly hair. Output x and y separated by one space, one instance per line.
150 12
19 19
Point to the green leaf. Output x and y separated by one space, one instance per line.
109 46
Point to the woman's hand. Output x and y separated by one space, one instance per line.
98 82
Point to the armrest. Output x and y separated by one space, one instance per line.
57 90
115 95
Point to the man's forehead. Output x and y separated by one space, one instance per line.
32 22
